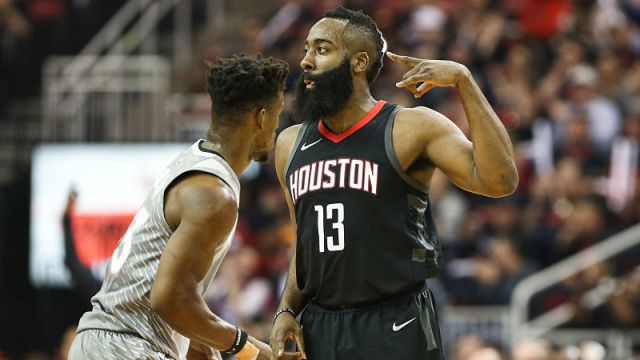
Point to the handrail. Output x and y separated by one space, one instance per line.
133 29
543 279
152 13
75 70
109 33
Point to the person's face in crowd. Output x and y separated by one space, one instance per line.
266 137
581 93
570 53
326 83
531 350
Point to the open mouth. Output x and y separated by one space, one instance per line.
310 84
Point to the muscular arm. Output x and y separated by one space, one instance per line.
493 161
201 208
286 326
485 166
291 297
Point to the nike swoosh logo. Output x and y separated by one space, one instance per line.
305 146
397 328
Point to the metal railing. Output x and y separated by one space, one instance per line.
121 98
619 343
19 132
492 325
81 94
524 328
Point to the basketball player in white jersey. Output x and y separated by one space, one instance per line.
150 305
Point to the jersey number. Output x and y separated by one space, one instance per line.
335 213
124 248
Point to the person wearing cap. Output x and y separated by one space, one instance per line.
603 117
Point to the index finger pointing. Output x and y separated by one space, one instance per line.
407 60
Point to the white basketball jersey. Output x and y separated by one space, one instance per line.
122 304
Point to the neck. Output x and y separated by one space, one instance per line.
358 105
233 148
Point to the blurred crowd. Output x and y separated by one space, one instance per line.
471 347
562 75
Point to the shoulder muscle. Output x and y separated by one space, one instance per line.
205 200
425 123
284 146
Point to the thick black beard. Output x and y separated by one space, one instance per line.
330 94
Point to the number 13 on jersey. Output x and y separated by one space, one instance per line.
333 213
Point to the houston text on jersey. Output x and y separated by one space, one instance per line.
354 174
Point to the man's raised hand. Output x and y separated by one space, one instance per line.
427 74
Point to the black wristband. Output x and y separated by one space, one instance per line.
284 310
238 343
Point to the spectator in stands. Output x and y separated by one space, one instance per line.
499 272
487 353
585 226
239 296
576 142
85 283
624 301
532 350
512 84
603 116
466 345
450 207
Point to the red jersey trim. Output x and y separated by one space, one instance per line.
336 138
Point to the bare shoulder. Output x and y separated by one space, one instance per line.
287 137
284 144
422 122
203 189
201 197
422 116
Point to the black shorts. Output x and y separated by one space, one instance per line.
402 329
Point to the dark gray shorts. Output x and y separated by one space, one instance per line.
403 329
96 344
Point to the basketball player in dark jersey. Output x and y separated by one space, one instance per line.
356 175
151 305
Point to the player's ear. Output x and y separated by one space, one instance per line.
360 62
261 118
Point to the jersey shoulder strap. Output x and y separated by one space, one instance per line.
391 154
294 148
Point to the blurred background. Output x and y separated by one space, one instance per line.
97 96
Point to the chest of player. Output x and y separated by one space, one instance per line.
355 166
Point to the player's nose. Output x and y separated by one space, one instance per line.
307 62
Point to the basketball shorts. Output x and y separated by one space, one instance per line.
402 329
97 344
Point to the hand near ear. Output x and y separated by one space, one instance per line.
427 74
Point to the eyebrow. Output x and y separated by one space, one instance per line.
320 40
